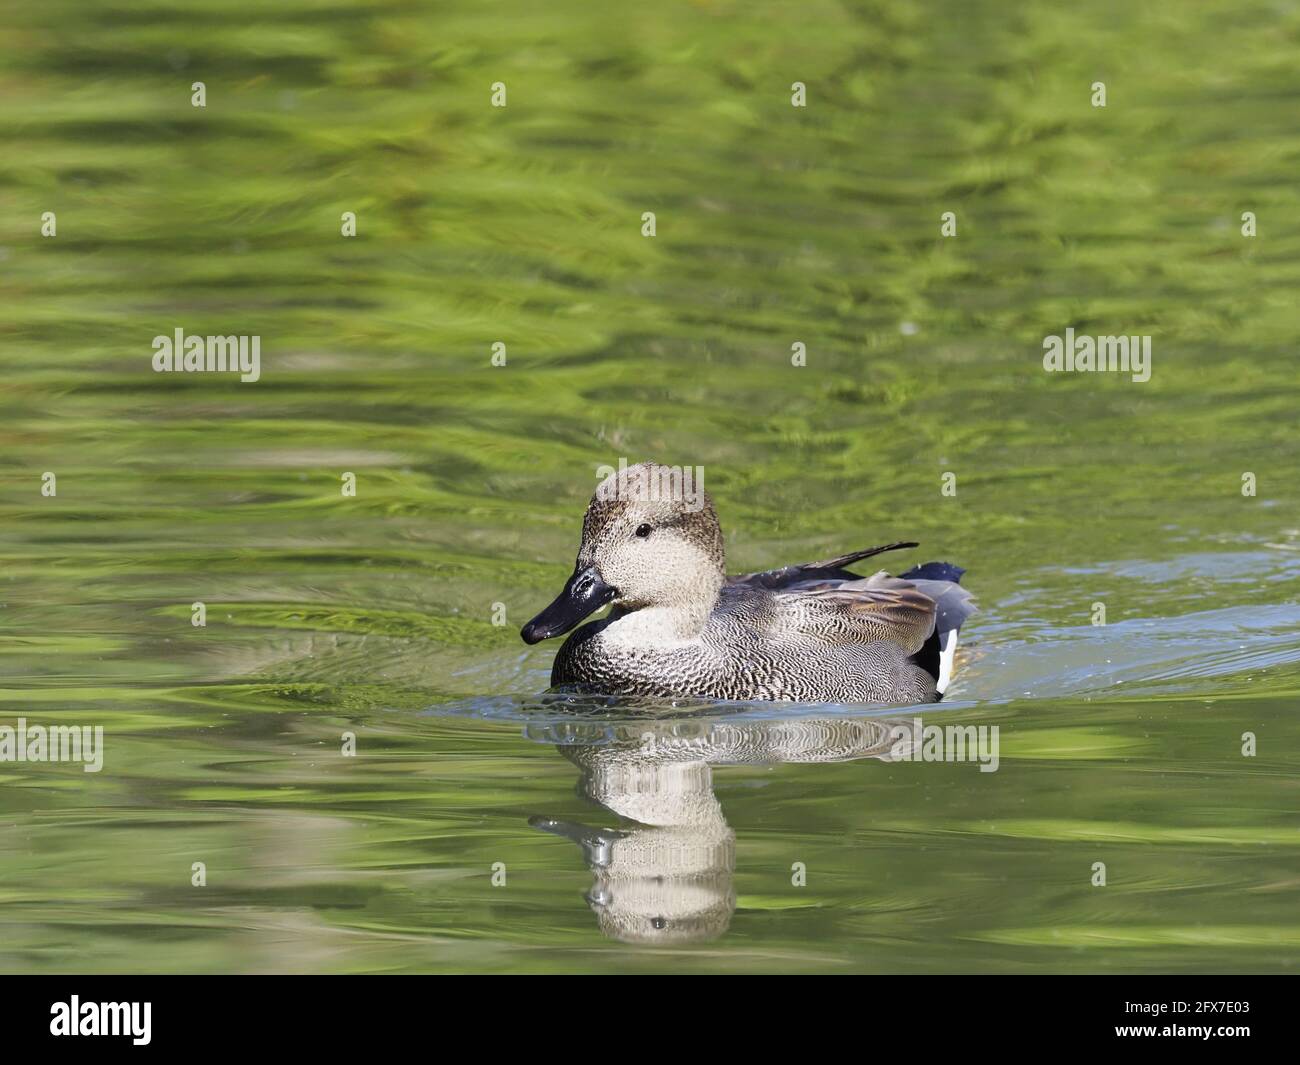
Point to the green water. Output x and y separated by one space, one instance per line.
374 614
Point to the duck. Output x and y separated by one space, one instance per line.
680 628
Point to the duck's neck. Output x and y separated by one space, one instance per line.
670 623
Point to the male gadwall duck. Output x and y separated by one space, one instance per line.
680 627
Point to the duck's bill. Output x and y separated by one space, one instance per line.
583 595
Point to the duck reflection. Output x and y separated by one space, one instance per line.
669 876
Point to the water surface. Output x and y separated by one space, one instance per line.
656 838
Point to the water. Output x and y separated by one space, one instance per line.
650 838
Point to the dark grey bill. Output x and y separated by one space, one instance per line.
583 595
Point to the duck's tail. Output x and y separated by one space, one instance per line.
953 605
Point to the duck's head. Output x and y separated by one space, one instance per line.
650 539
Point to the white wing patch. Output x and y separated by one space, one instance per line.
946 656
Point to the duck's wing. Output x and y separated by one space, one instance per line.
831 569
862 610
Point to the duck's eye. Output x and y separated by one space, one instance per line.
643 531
